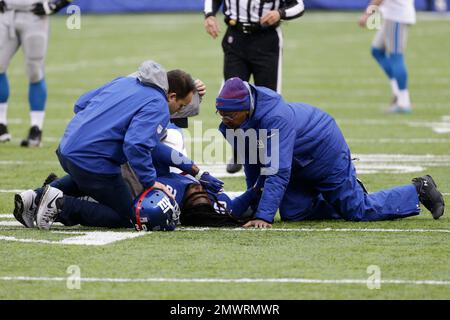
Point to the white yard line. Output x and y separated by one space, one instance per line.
88 238
114 234
6 216
228 280
379 230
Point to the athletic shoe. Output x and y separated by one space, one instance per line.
429 195
397 109
49 207
233 167
34 138
4 135
25 208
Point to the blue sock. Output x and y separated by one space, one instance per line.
37 95
399 70
383 60
4 88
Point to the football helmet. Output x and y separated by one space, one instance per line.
156 211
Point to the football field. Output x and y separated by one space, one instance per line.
327 63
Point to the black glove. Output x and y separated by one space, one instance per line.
2 6
48 7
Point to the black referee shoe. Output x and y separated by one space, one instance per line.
4 134
429 195
233 167
34 138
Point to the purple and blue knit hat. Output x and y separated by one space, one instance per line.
234 96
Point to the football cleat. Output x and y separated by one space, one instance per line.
49 207
233 167
25 208
4 134
50 178
429 195
34 138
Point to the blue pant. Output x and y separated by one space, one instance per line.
327 189
114 208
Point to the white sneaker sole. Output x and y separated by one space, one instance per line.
41 210
22 213
5 137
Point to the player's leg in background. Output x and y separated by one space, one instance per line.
266 56
398 35
34 36
9 43
381 56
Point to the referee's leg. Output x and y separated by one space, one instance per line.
266 57
235 63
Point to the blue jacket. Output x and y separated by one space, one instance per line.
304 135
118 122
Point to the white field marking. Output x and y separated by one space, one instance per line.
378 230
397 140
26 162
438 127
44 139
47 121
104 236
234 194
11 190
354 140
367 164
88 238
225 280
6 216
111 234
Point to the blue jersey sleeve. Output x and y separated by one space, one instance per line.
168 157
282 132
242 204
142 137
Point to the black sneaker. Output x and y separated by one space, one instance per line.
50 178
34 138
233 167
4 135
429 195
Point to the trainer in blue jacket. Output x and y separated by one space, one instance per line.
309 175
119 122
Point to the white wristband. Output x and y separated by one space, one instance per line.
199 174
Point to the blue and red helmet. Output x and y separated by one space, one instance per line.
155 211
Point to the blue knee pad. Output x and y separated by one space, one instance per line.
383 61
37 95
399 70
4 88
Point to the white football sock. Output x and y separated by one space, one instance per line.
3 111
403 100
394 87
37 118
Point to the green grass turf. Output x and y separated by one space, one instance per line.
327 63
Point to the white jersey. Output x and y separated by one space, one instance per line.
402 11
20 5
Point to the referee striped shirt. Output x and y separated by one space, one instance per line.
251 11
